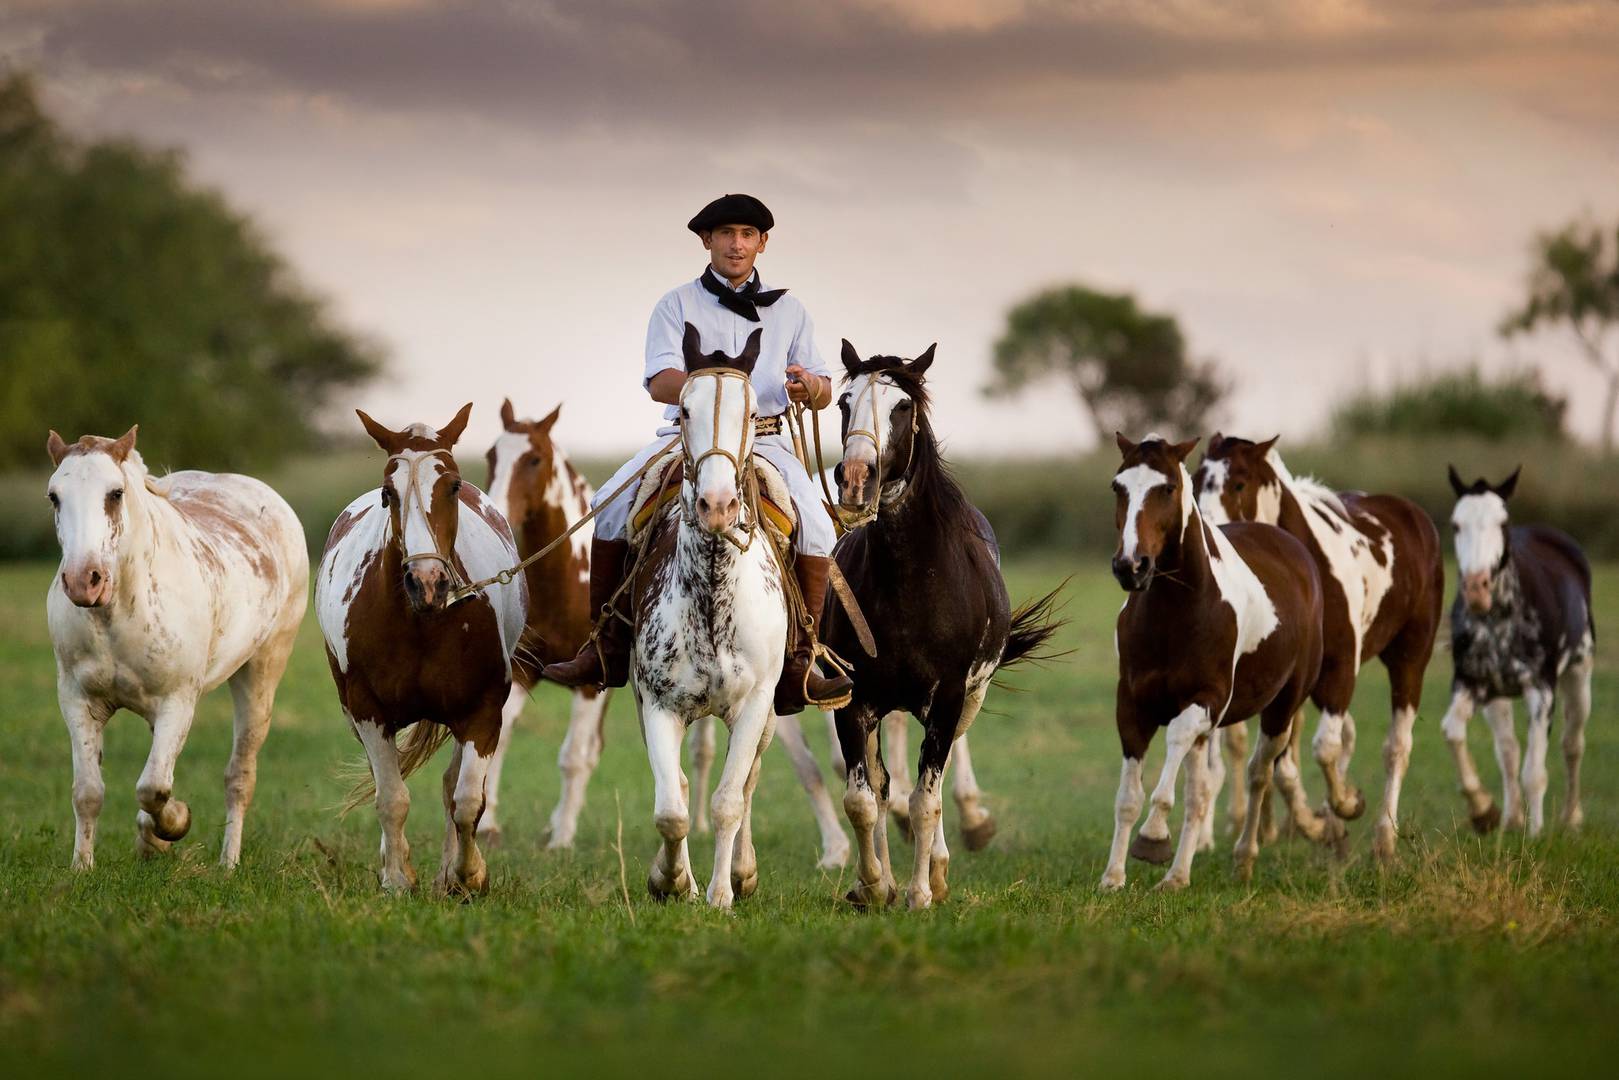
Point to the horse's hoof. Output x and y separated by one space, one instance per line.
148 845
1383 842
683 887
1110 885
1487 820
1171 883
866 897
977 837
1353 808
1243 866
835 858
1573 819
397 884
745 887
174 822
1158 852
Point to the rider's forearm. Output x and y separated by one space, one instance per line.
665 386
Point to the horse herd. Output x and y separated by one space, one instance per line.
1249 592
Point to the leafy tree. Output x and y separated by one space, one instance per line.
1128 366
1575 283
128 294
1457 403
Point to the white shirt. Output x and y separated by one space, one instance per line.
789 338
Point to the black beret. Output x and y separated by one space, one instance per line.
732 210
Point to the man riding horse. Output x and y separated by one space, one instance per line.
726 304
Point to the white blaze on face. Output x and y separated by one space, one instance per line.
415 504
509 449
872 400
719 413
1480 522
87 534
1215 474
1136 483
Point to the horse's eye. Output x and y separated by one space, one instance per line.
685 413
455 488
51 495
1238 486
116 494
387 496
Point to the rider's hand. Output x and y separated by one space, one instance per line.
801 385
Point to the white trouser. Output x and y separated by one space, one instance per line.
815 533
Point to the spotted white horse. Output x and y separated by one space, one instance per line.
167 588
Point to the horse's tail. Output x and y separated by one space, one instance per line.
419 747
1033 626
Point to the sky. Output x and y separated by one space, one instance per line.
1329 196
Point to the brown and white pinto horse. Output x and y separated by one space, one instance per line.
1383 582
167 588
926 572
1521 625
1221 624
401 654
542 495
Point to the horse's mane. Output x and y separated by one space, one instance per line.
1308 489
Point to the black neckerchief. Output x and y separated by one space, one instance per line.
745 301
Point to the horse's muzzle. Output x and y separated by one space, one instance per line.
1132 576
87 586
719 513
427 586
1477 593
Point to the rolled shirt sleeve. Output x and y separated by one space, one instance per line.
664 332
804 352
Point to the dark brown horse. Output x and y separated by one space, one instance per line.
1521 626
926 571
1383 582
403 656
542 495
1221 624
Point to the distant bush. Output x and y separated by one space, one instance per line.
1515 406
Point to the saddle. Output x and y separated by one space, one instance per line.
660 487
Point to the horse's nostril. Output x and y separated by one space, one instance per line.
95 577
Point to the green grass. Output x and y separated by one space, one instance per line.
1471 955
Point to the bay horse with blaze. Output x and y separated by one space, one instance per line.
1383 581
926 572
1521 626
167 588
407 651
1221 623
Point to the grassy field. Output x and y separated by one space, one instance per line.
1470 956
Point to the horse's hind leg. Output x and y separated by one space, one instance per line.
744 860
977 824
253 693
1576 691
162 818
393 805
86 724
1270 750
1216 781
700 743
931 861
577 759
1290 782
896 732
1234 749
834 841
670 873
751 730
1199 804
489 834
1508 757
1405 690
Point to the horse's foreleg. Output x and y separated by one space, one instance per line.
489 834
1576 691
1538 700
978 825
1216 781
86 723
834 841
577 759
751 729
864 793
1189 725
1199 803
1126 808
253 693
1234 751
1499 715
670 873
162 818
1333 744
1270 752
393 805
1396 758
1290 782
471 873
744 860
896 728
700 744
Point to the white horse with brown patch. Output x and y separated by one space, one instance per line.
167 588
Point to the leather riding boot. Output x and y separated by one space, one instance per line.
800 683
604 661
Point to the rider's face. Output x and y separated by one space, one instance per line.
732 249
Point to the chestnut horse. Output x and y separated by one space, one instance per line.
406 651
1221 623
167 588
1521 626
1383 583
926 572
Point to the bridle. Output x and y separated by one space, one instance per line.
413 499
865 393
744 451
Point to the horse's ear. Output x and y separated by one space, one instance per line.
1456 484
691 346
56 448
384 437
1506 487
126 442
923 362
1182 451
550 420
1214 441
450 432
508 415
1126 447
1264 447
851 359
750 351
